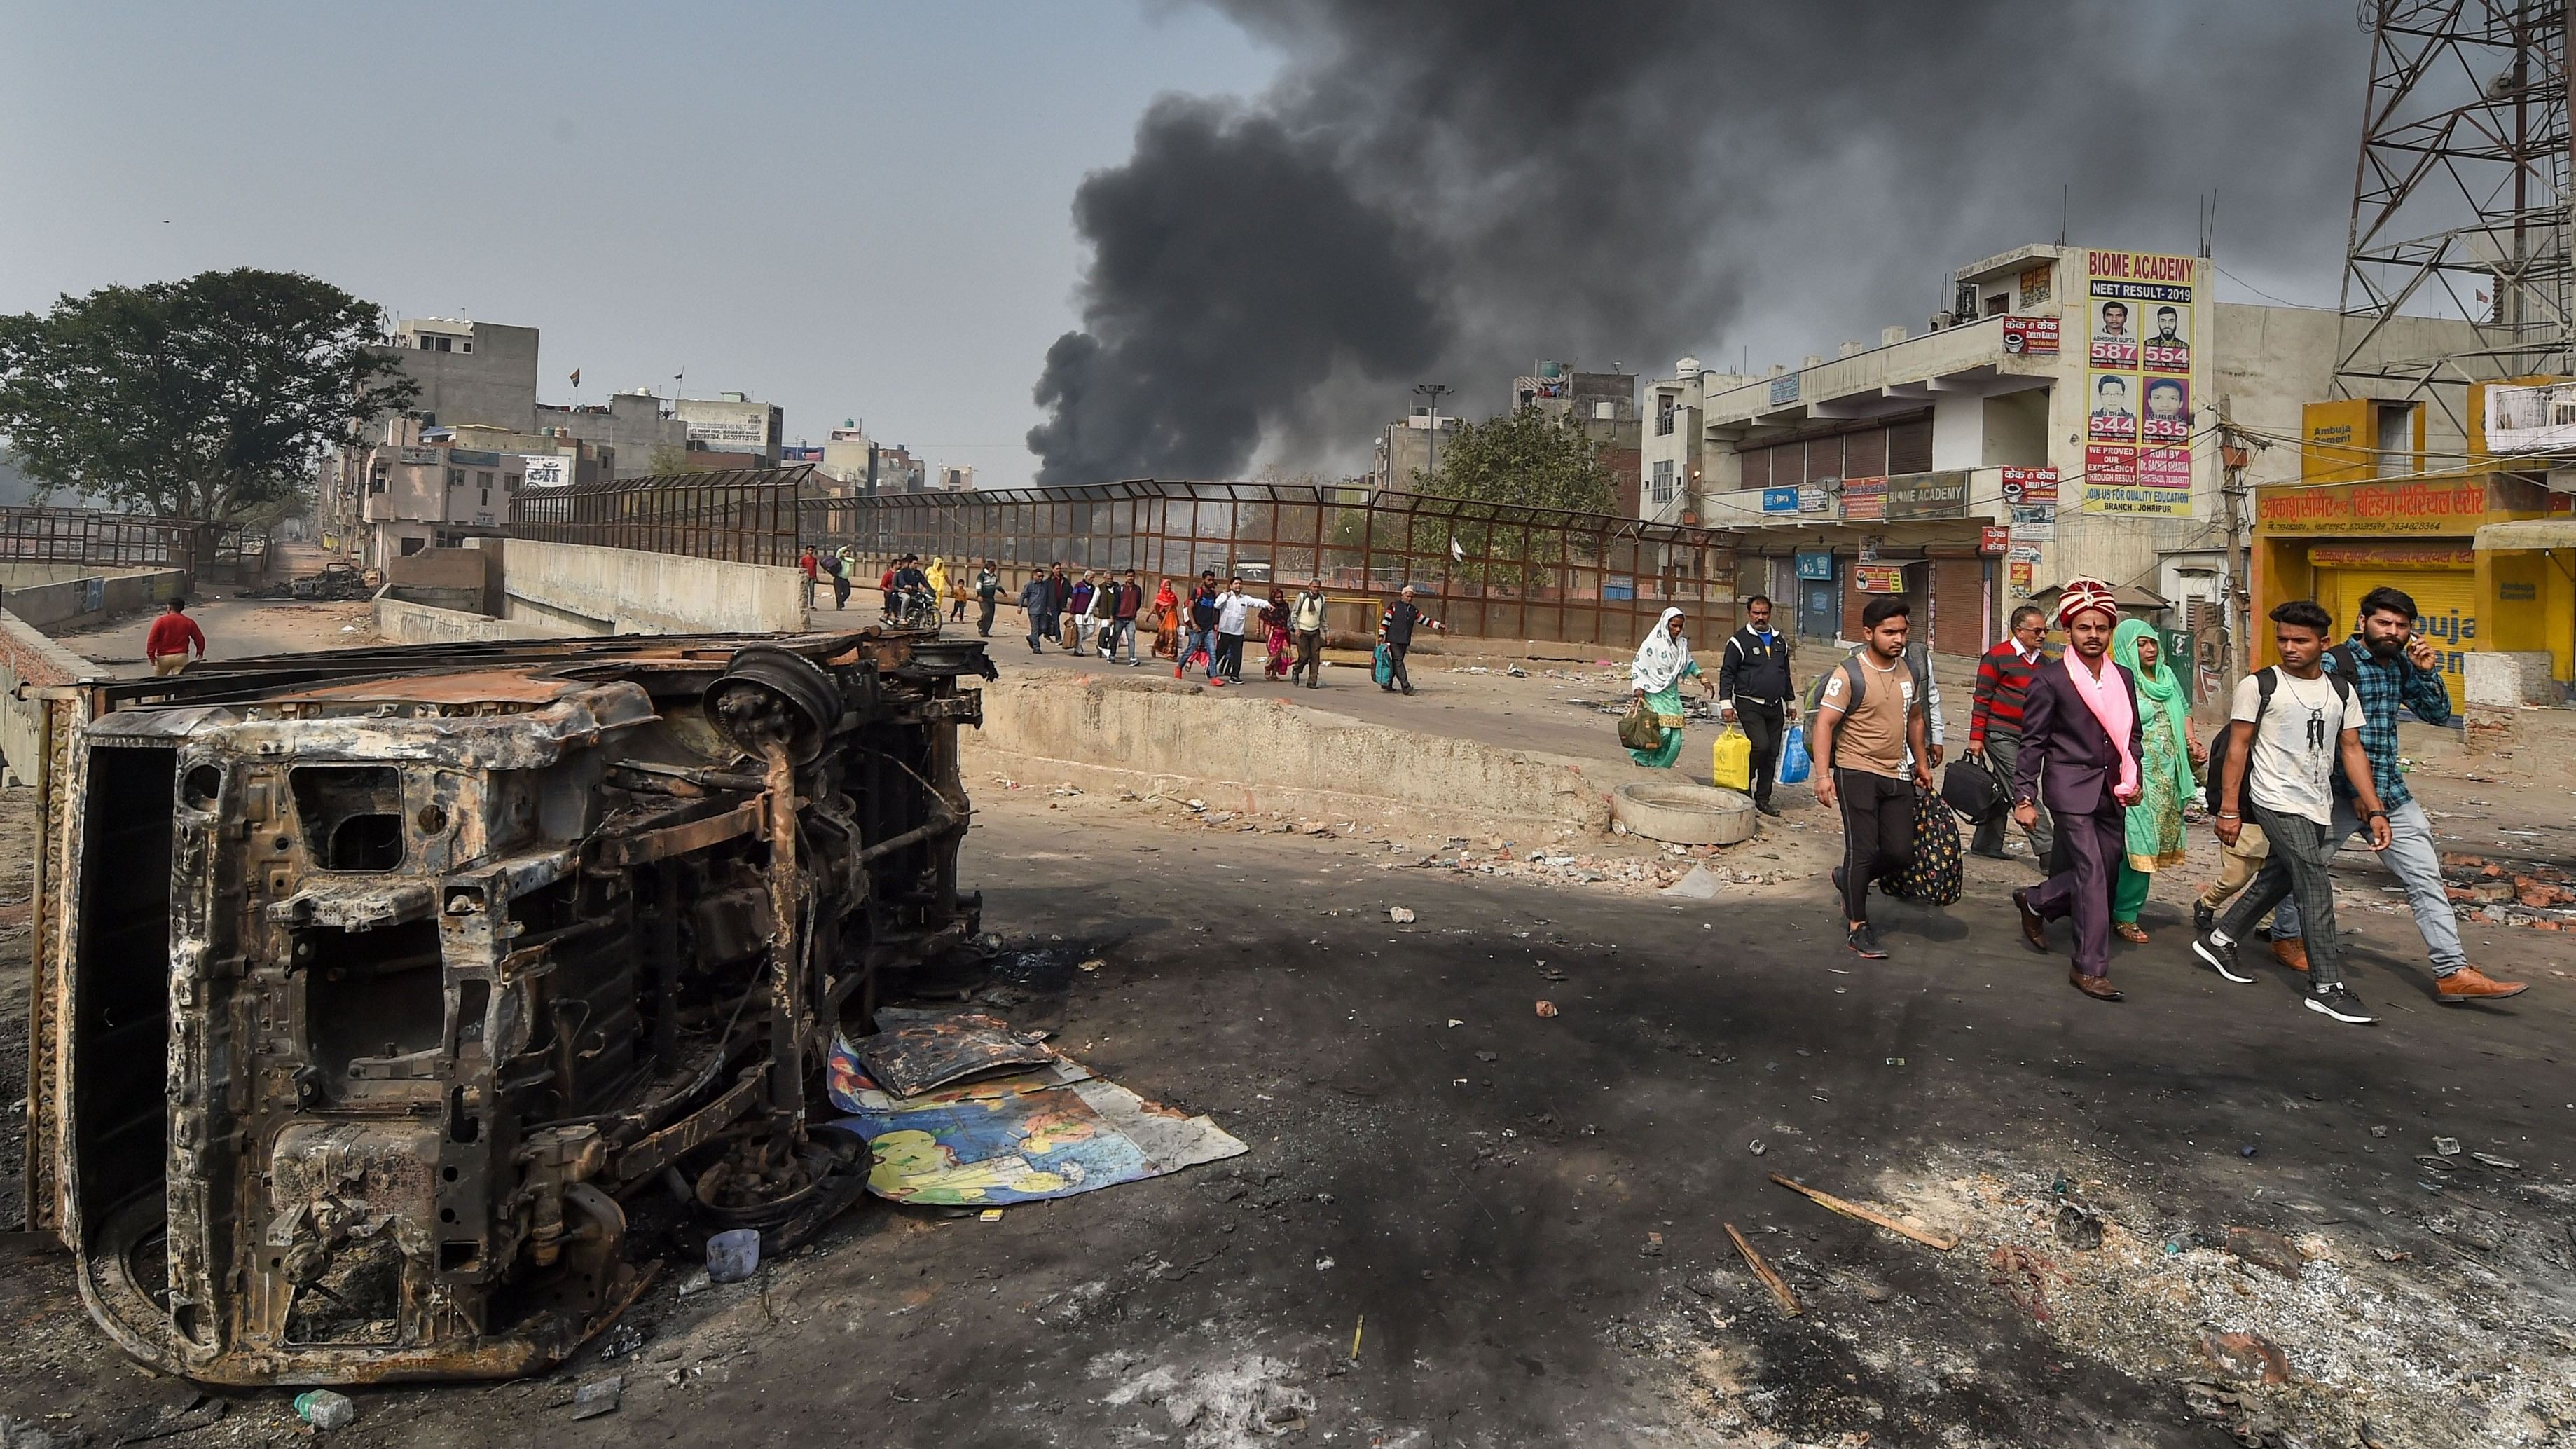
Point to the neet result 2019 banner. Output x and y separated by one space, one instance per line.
2142 374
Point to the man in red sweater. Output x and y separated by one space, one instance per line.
171 637
1994 723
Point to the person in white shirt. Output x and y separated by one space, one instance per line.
1235 611
1306 622
2292 725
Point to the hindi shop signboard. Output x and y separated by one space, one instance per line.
1864 500
2030 485
2436 506
1878 578
1779 500
2030 336
1993 539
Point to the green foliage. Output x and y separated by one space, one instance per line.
206 398
1524 457
665 459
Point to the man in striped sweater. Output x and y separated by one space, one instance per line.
1994 724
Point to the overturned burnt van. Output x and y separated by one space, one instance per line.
375 990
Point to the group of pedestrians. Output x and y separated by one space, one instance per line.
2308 760
2093 752
1208 627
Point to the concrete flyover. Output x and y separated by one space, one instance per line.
587 589
1173 738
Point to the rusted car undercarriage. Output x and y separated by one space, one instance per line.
375 989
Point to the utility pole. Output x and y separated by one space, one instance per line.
2237 615
1433 392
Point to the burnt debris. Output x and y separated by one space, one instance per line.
377 985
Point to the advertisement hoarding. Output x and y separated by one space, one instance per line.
1864 499
1779 500
2141 376
1878 578
2029 485
2031 336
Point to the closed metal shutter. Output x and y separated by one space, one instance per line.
2446 607
1865 454
1757 468
1909 447
1959 606
1825 458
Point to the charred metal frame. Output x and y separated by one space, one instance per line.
446 954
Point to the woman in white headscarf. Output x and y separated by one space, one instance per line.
1656 676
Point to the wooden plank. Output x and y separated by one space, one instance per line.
1867 1215
1771 1280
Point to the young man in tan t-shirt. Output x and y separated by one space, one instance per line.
1860 754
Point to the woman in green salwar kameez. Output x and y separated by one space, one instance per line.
1656 676
2167 751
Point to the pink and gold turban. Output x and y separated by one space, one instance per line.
2083 594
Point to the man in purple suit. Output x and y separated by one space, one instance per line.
2079 755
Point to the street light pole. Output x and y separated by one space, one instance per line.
1432 391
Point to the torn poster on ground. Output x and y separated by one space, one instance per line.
1052 1131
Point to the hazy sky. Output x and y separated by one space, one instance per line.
860 209
848 209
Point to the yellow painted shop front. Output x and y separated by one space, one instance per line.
2335 543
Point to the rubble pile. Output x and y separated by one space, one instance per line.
2510 893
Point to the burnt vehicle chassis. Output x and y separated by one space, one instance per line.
373 987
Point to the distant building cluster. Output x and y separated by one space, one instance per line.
445 470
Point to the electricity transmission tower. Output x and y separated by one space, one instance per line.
2460 198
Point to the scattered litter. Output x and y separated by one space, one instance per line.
2266 1249
325 1410
1871 1216
733 1255
2447 1146
2249 1357
991 1215
1094 964
1700 885
1399 915
1755 1147
1547 1008
1454 1022
620 1341
2024 1277
1050 1132
2504 1164
1779 1288
1324 1264
2077 1228
599 1396
926 1050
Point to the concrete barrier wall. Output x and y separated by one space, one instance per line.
87 598
1162 735
581 588
408 621
29 662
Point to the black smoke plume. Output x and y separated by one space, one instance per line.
1445 192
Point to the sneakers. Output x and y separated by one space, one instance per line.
2203 918
2219 955
2471 984
1864 941
2292 952
2338 1002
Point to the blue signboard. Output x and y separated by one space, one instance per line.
1818 565
1784 389
1779 500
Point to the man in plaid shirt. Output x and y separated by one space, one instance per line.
2390 665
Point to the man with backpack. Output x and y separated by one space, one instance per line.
1871 752
2293 724
2389 665
1754 689
2083 746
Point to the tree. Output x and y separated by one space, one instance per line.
1524 457
666 459
207 398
